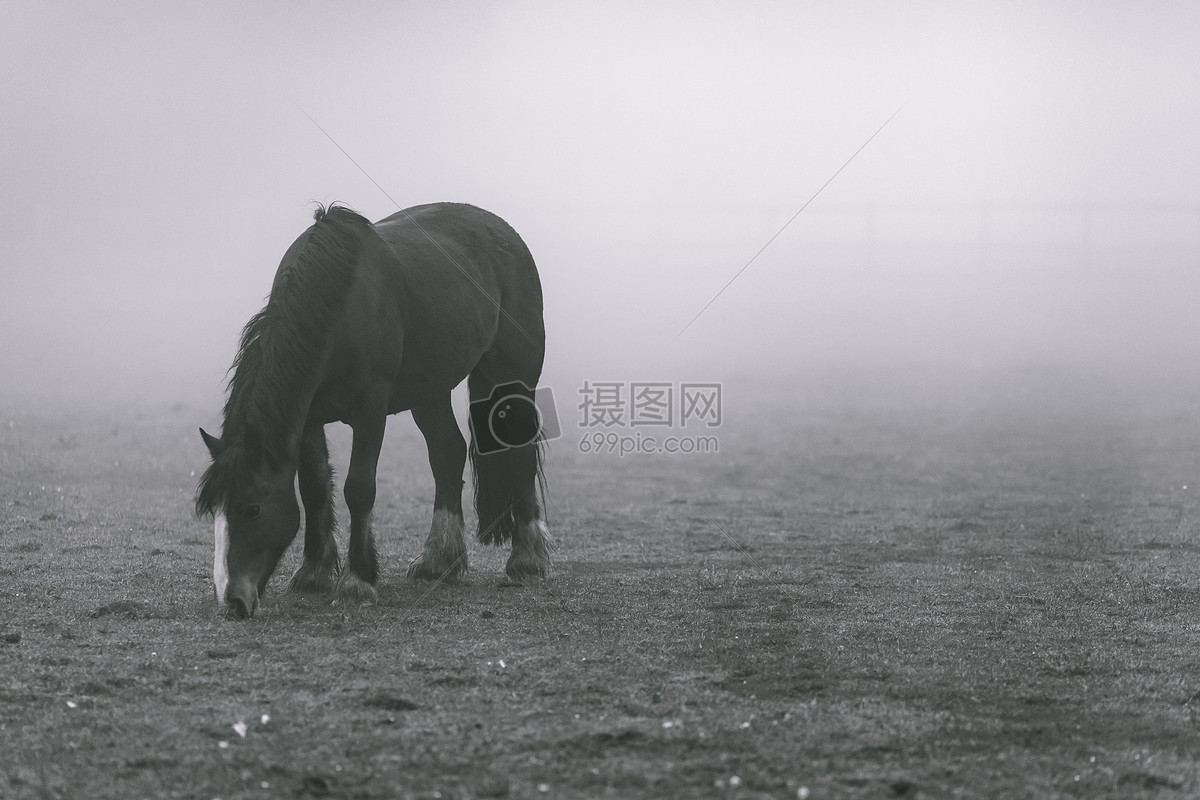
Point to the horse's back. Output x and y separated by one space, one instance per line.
471 291
479 234
439 245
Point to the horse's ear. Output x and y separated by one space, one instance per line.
214 445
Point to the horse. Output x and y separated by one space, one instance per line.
364 321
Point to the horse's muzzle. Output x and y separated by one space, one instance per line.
241 599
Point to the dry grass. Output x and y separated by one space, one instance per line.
925 586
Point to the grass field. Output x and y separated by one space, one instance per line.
923 583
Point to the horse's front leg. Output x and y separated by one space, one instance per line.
320 567
357 582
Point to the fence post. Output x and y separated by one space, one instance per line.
1085 243
871 233
985 234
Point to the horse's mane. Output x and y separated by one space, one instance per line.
280 346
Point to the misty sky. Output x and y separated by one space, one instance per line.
157 162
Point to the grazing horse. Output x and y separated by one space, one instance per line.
364 321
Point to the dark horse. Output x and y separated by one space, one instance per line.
364 321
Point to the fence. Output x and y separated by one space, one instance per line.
993 234
1000 235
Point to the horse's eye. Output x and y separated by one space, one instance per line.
252 511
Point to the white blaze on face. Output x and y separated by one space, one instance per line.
220 556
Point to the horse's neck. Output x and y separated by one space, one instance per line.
280 426
297 420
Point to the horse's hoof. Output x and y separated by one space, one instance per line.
529 561
313 579
353 590
437 571
526 568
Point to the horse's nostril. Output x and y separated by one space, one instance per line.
237 608
241 601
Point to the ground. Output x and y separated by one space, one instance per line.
888 583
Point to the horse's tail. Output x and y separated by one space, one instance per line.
508 480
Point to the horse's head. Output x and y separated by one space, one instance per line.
253 504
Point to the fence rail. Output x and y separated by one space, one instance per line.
1079 234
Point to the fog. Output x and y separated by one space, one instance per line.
1036 200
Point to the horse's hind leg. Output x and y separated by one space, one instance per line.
506 497
444 556
530 558
320 566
